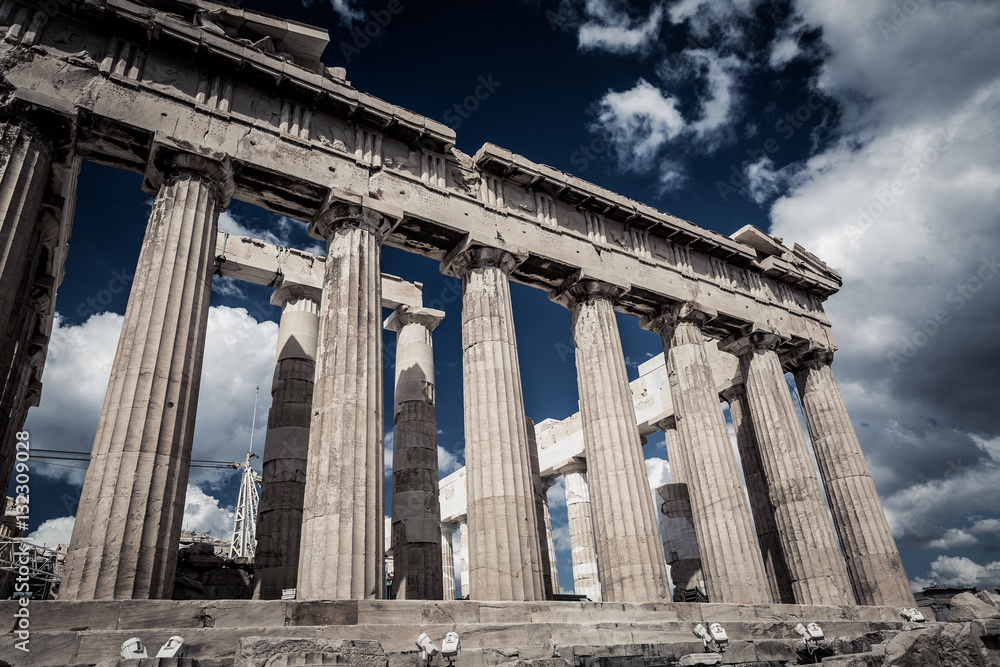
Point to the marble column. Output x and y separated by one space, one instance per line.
778 579
127 529
283 479
416 515
463 545
550 544
504 552
730 558
342 549
630 557
680 542
541 512
25 171
448 561
807 539
672 441
873 563
586 580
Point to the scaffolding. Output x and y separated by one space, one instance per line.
36 565
244 542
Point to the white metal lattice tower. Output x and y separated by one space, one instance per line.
244 542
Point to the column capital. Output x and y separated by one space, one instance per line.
670 316
807 356
52 120
589 285
732 393
293 292
168 160
403 315
473 253
337 214
575 465
741 344
667 423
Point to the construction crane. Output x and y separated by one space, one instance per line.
244 541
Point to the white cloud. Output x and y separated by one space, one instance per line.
724 18
447 462
560 537
986 527
346 10
639 121
557 494
903 203
53 532
763 180
239 355
614 31
229 223
717 106
658 472
202 513
228 287
642 122
74 382
959 571
953 539
279 233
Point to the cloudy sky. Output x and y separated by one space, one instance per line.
865 130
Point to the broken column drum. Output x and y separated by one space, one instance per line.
416 515
286 447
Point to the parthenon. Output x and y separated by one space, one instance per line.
213 106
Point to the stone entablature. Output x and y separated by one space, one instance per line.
293 134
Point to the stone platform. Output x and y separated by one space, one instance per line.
492 633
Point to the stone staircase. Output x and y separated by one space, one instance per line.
492 633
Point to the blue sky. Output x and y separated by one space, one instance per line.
866 131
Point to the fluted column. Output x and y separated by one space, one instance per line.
448 560
504 552
586 580
283 479
730 558
550 545
25 170
630 557
672 441
463 545
807 540
127 529
541 488
778 579
873 563
680 542
342 550
416 514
